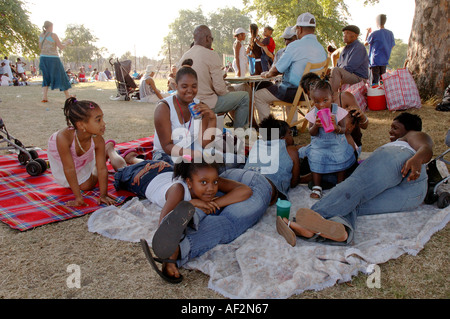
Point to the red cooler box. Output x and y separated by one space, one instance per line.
376 98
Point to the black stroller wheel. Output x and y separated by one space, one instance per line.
23 158
33 154
33 168
43 164
443 200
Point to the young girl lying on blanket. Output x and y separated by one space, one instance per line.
77 153
327 152
177 190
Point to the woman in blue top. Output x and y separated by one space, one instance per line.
53 73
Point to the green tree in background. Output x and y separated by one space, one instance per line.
331 17
398 54
222 23
82 49
180 35
18 35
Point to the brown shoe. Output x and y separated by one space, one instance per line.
284 230
314 222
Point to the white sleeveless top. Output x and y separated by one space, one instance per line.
400 143
184 135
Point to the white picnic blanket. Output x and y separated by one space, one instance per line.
260 264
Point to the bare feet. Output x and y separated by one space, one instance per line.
316 224
131 158
171 269
116 160
299 230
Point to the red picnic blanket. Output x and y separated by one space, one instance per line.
30 201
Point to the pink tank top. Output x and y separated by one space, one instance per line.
79 161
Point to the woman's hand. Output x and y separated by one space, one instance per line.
205 110
413 165
207 207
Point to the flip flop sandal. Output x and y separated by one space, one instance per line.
314 222
316 192
153 260
284 230
128 152
167 237
44 101
111 141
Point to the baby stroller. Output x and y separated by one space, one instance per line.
126 87
34 165
435 179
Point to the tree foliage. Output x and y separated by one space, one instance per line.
180 35
18 35
331 16
398 54
221 22
83 48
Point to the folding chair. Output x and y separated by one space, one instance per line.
299 103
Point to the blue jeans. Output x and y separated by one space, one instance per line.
375 187
232 221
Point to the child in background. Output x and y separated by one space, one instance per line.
380 43
77 153
276 157
268 48
327 152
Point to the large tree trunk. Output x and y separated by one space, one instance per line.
428 50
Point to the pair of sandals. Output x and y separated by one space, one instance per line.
167 238
313 222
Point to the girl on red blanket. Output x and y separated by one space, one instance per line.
77 153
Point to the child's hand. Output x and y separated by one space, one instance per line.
206 207
333 121
106 199
77 202
318 122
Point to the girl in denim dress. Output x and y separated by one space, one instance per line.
327 152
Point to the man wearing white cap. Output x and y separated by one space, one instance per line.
240 62
289 36
292 65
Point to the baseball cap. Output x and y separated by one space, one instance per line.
306 20
239 31
288 33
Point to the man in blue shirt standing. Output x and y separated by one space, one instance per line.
381 43
292 65
353 64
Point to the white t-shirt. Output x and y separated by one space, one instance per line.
157 188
